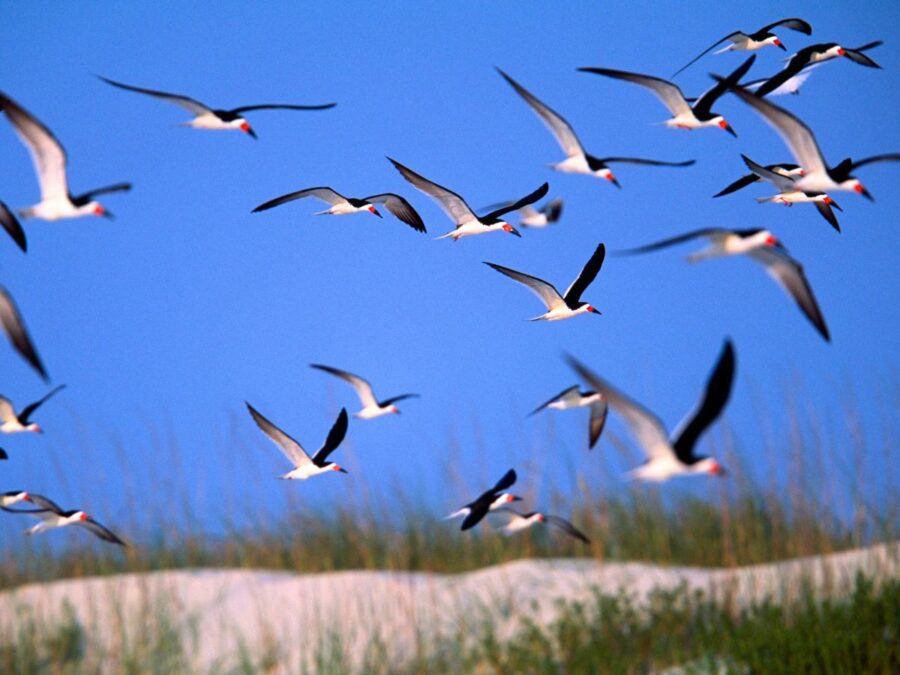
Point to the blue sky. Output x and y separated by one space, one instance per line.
165 320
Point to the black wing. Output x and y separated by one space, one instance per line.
739 184
185 102
567 527
718 389
3 454
828 213
707 50
587 276
82 199
560 395
525 201
335 436
394 399
648 162
101 531
401 209
703 105
599 413
478 510
671 241
280 106
11 322
856 55
12 226
44 503
507 481
797 63
29 409
841 172
798 25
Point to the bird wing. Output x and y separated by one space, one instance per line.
505 482
566 527
718 389
452 204
28 410
670 94
291 448
394 399
566 394
796 135
888 157
280 106
712 233
11 322
515 206
544 291
788 273
798 25
45 504
791 85
7 412
779 180
827 213
401 208
739 184
326 194
477 510
85 197
703 105
647 427
588 273
99 530
552 209
362 387
734 37
12 226
185 102
333 440
558 126
648 162
47 153
857 56
599 413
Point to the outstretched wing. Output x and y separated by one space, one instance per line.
570 393
291 448
100 531
363 388
185 102
452 204
733 37
544 291
796 24
573 294
515 206
326 194
709 232
670 94
401 209
85 197
280 106
599 412
567 527
28 410
333 440
13 227
11 322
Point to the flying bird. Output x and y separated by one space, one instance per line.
547 214
517 522
577 159
788 194
467 222
11 423
49 159
750 178
304 465
487 500
560 306
818 176
13 227
341 205
573 398
815 54
52 516
741 41
13 497
684 114
790 86
14 327
372 407
763 247
676 457
216 118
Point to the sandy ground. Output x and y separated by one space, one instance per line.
298 615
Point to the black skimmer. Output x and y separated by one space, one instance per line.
763 247
573 398
741 41
817 176
517 522
750 178
49 159
341 205
788 194
685 115
815 54
577 159
467 222
304 465
667 458
14 327
13 227
372 407
560 306
216 118
489 500
537 218
11 423
790 86
52 516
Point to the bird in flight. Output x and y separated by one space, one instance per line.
372 407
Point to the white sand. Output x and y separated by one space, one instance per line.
297 614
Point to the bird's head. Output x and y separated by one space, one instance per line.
508 498
773 40
394 410
35 428
335 467
608 175
374 211
539 517
591 309
244 126
506 227
710 466
722 124
853 184
95 209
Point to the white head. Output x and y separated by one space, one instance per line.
93 209
503 500
710 466
78 517
9 500
835 51
775 42
243 125
762 238
506 227
394 410
607 174
34 427
720 122
853 185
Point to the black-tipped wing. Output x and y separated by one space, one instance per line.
515 206
44 504
718 389
599 413
13 326
667 92
647 162
572 296
567 527
545 292
280 106
452 204
794 23
84 198
571 392
736 35
703 105
28 410
100 531
184 101
333 440
13 227
325 194
710 232
291 448
401 208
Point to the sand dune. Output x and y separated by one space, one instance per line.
297 614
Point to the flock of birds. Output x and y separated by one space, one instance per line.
807 181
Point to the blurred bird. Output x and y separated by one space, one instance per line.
517 522
12 324
488 500
372 407
10 423
573 398
52 516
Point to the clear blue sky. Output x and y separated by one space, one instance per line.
165 320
